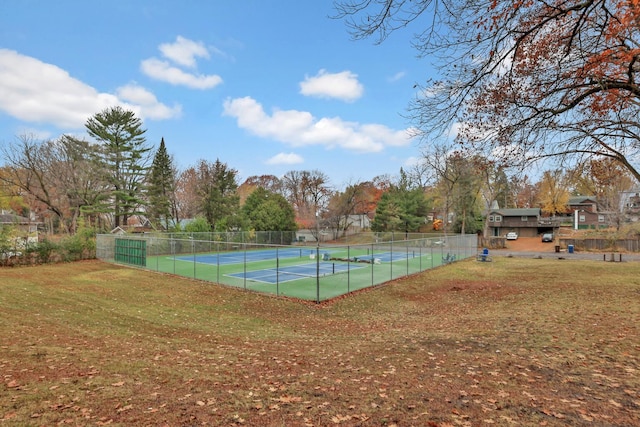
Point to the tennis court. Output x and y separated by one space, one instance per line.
295 272
307 272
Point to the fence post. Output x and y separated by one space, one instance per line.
372 255
348 270
193 250
318 273
391 263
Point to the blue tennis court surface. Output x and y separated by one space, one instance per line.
240 257
295 272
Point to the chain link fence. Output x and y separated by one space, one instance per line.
261 262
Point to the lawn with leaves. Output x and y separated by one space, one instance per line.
522 342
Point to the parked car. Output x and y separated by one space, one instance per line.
512 235
547 237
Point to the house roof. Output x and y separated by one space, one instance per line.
577 200
14 219
517 212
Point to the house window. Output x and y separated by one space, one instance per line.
524 218
581 218
497 218
490 218
600 218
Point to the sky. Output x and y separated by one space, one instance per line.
265 86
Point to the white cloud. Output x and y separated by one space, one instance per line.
397 76
285 159
184 51
413 161
163 71
344 86
300 128
148 105
37 92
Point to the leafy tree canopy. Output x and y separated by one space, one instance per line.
268 211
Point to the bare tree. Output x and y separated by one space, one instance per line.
55 174
309 193
523 81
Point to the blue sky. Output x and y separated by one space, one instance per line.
265 86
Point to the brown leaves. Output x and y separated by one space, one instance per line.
289 399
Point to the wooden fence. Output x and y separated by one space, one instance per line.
626 245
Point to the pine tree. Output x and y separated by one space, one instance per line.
123 157
161 188
402 208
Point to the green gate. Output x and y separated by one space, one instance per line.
131 251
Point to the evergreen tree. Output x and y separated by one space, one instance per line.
219 200
268 211
124 158
402 208
161 188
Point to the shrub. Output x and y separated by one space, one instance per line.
43 251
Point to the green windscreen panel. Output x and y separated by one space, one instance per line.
131 252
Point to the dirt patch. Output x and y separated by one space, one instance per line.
530 244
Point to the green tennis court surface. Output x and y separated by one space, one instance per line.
298 273
314 273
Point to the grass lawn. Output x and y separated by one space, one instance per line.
514 342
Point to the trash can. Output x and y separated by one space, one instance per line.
570 249
557 248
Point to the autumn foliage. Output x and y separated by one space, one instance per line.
523 79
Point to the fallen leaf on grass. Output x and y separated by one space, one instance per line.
586 417
337 419
289 399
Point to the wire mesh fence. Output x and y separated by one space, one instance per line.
299 270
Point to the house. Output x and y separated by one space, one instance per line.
139 224
583 203
630 204
25 229
583 213
525 222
